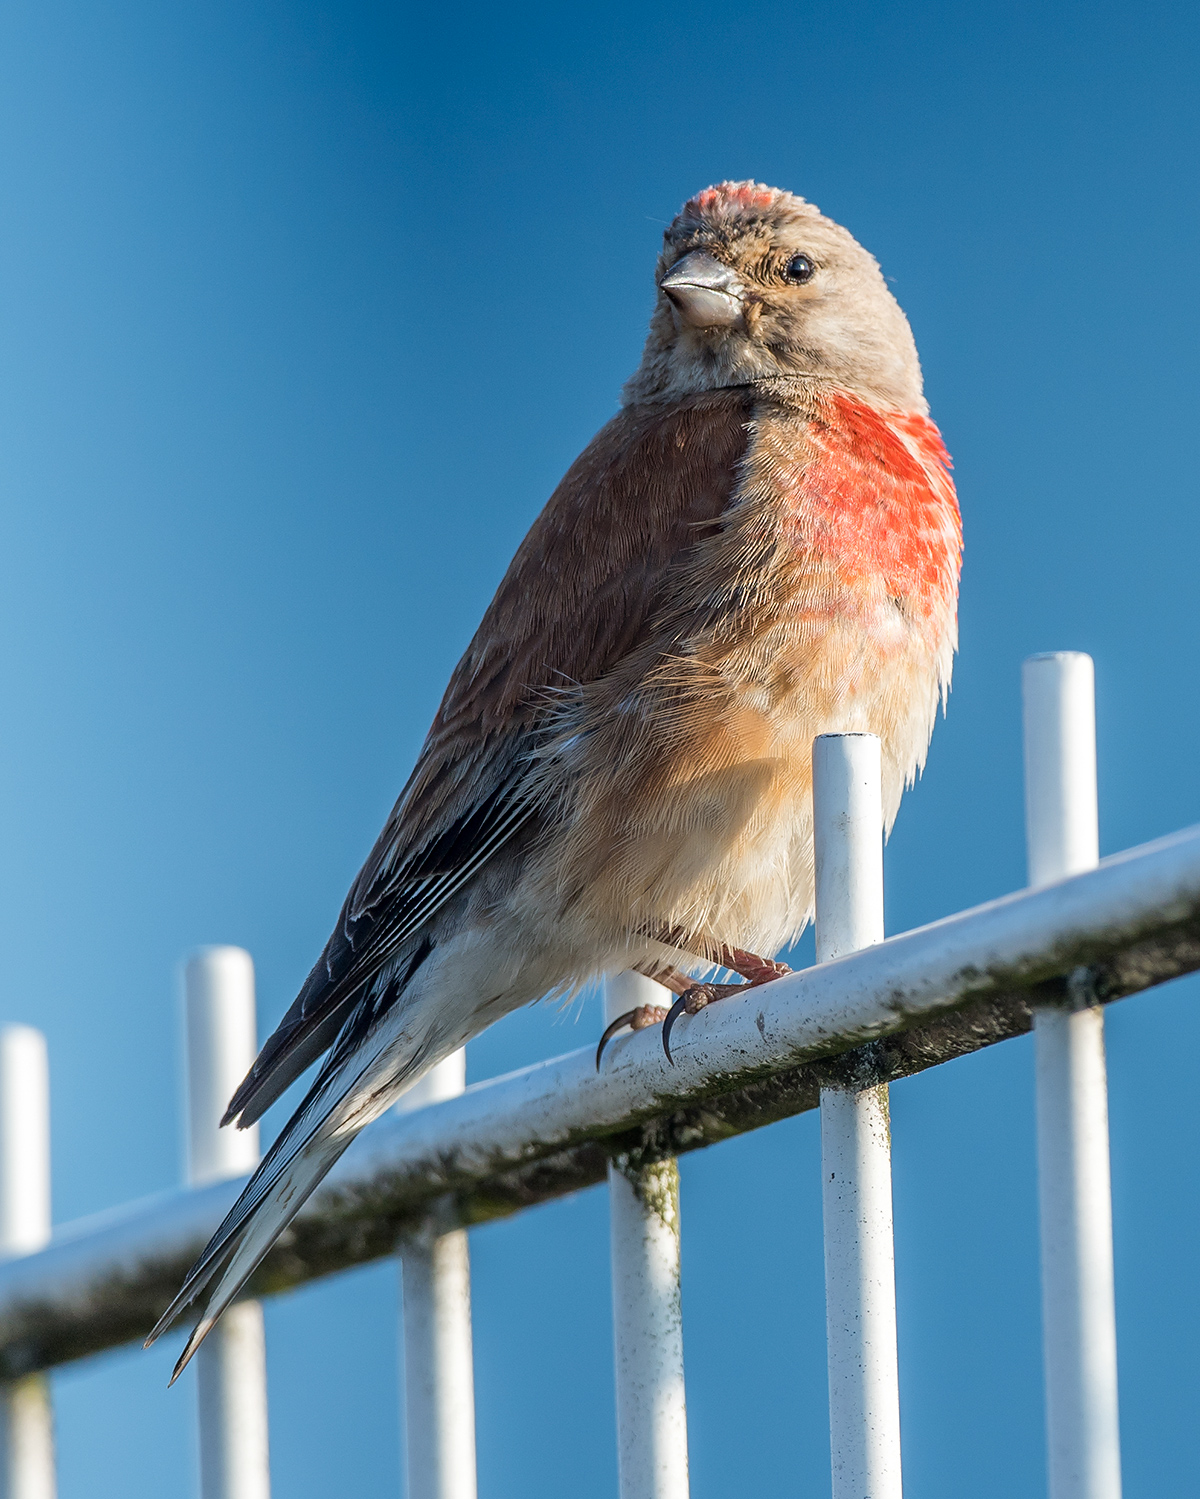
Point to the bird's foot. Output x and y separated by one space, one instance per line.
691 1002
636 1020
691 996
753 969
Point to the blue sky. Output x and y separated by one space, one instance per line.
304 311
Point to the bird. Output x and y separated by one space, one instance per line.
763 545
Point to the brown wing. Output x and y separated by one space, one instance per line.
575 600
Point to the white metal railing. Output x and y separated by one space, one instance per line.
834 1035
1079 1318
435 1290
231 1370
643 1206
856 1139
26 1418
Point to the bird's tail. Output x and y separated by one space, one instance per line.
323 1126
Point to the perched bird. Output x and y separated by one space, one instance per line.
762 546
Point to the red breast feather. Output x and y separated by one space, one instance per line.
877 498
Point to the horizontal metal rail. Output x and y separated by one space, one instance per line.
894 1009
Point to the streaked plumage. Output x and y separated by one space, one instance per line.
762 546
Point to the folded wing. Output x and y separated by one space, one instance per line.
578 596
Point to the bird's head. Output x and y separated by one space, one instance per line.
755 282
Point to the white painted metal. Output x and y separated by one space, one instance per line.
231 1365
439 1379
222 1042
1138 896
652 1452
860 1277
1062 832
860 1294
847 843
231 1383
27 1469
1078 1309
1078 1312
24 1140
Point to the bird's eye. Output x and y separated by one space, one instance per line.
799 269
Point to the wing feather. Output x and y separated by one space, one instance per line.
575 600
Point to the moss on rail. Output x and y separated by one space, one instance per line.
364 1222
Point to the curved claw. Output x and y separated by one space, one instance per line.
637 1020
691 1002
610 1031
673 1015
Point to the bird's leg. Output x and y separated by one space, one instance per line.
662 973
746 965
754 970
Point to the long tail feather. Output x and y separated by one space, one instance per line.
325 1124
255 1235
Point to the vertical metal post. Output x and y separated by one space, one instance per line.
1078 1309
860 1277
231 1365
439 1374
26 1413
652 1451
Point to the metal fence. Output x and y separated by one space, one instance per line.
830 1037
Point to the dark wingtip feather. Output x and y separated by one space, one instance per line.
185 1357
161 1325
181 1302
237 1103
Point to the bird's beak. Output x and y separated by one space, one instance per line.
704 293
